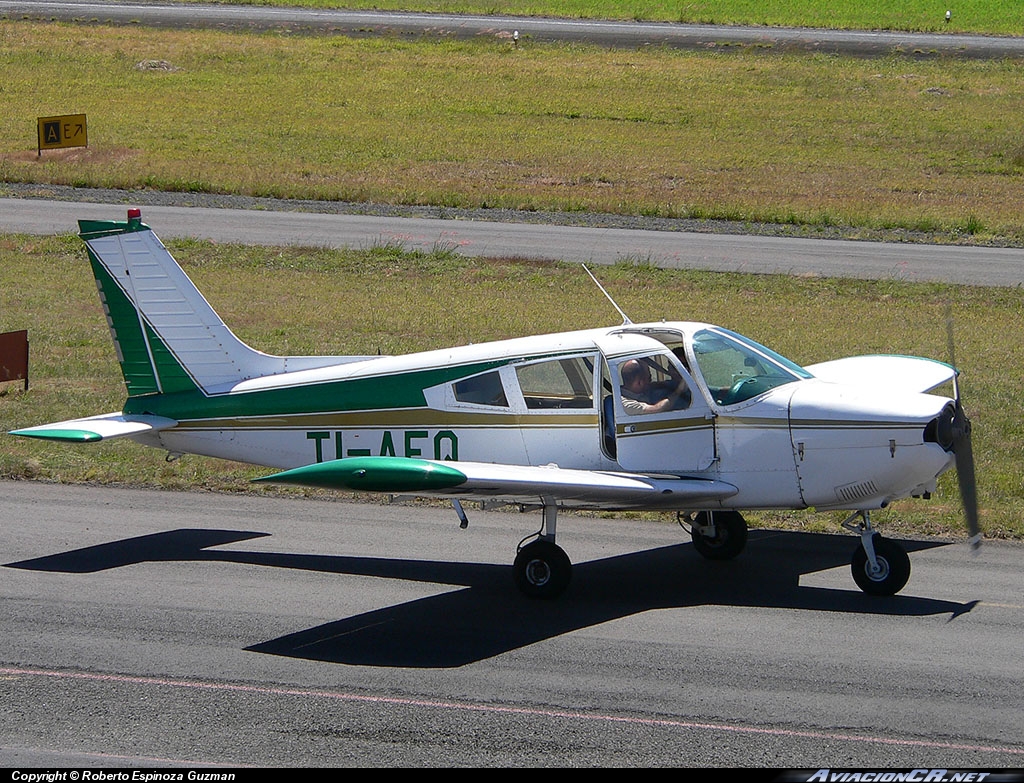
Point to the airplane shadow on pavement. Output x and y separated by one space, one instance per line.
488 616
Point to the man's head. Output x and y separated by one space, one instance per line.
636 377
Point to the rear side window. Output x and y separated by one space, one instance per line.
483 389
558 383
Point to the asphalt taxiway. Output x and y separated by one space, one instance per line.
146 628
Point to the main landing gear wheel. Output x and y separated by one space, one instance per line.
893 568
719 535
542 570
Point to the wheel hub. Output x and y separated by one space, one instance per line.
880 573
538 572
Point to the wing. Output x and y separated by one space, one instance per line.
510 483
898 373
97 428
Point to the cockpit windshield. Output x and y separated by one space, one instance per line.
736 368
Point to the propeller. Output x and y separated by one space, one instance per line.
960 445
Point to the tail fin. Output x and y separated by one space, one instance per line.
168 338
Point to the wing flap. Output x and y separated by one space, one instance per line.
96 428
510 483
898 373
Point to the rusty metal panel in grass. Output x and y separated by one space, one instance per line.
14 356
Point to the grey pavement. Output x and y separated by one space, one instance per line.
968 265
601 32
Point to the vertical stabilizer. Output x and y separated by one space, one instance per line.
168 338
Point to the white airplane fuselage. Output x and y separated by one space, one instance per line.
805 443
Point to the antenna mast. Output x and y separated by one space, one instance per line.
625 318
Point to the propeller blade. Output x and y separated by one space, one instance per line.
961 446
964 454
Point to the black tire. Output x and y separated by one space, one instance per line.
894 563
730 535
542 570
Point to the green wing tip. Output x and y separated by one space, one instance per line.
64 436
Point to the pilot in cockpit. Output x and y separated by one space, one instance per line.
642 395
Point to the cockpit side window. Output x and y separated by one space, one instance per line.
736 369
653 384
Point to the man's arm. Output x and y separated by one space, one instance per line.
635 407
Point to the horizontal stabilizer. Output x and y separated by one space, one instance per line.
511 483
97 428
896 373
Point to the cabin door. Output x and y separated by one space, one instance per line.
654 417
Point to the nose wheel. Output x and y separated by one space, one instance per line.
890 571
879 566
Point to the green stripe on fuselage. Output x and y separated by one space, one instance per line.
383 392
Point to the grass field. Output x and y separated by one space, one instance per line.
808 140
302 301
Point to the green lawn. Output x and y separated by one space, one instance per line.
811 140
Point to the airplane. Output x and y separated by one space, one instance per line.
683 417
